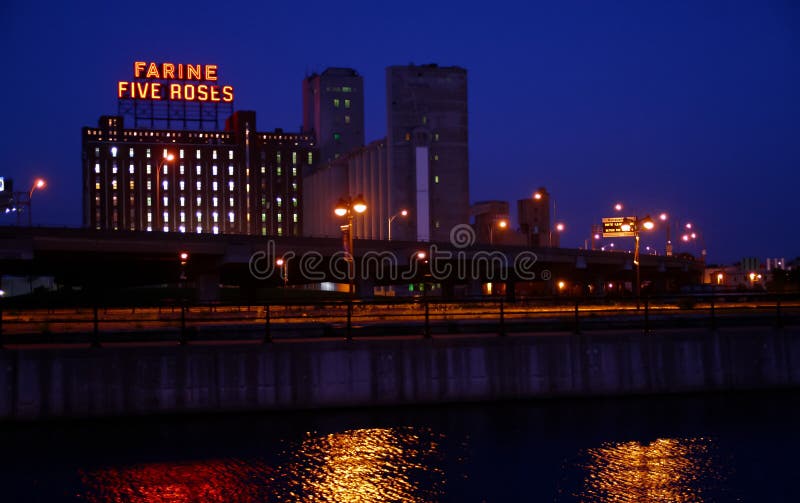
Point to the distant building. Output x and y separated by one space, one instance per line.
427 134
534 220
237 181
333 111
422 165
492 223
360 172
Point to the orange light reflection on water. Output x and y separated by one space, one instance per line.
673 470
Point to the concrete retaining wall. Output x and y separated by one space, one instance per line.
127 381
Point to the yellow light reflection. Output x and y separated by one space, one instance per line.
376 465
673 470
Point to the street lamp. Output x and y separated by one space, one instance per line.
501 224
348 207
24 199
647 224
401 213
284 265
168 157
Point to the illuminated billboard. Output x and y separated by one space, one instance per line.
174 82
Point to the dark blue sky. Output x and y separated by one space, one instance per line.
688 107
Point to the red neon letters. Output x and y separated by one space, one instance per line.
150 85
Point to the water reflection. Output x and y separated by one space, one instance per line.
376 465
208 481
674 470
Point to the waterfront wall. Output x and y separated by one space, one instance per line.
114 381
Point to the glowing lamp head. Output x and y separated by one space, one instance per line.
359 205
40 183
341 208
597 236
663 217
560 227
561 285
421 255
719 276
502 224
537 195
685 238
404 213
618 206
689 225
693 235
752 276
648 223
279 262
170 157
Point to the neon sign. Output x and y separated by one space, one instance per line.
155 81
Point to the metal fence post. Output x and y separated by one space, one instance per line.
349 320
427 320
577 329
267 327
502 318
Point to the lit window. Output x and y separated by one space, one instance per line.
230 170
215 216
280 231
164 184
114 168
215 229
263 217
181 170
114 184
424 119
230 185
215 201
199 185
130 169
263 170
230 216
279 171
280 217
435 157
294 157
199 201
294 171
213 154
278 201
166 228
436 179
97 186
230 154
199 216
97 151
149 185
183 217
214 170
337 137
230 202
294 217
182 228
310 158
294 186
97 167
214 186
149 201
347 103
147 153
247 187
180 153
166 216
166 201
148 169
113 151
294 202
436 224
182 184
183 201
197 154
131 185
278 157
149 217
199 229
346 89
336 103
347 119
198 170
435 136
130 152
165 154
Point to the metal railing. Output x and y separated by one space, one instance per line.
178 321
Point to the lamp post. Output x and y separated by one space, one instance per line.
401 213
284 265
692 235
167 158
501 224
668 246
24 199
348 207
628 226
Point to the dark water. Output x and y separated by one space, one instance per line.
679 449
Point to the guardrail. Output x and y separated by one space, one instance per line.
420 316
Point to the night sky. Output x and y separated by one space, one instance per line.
686 107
